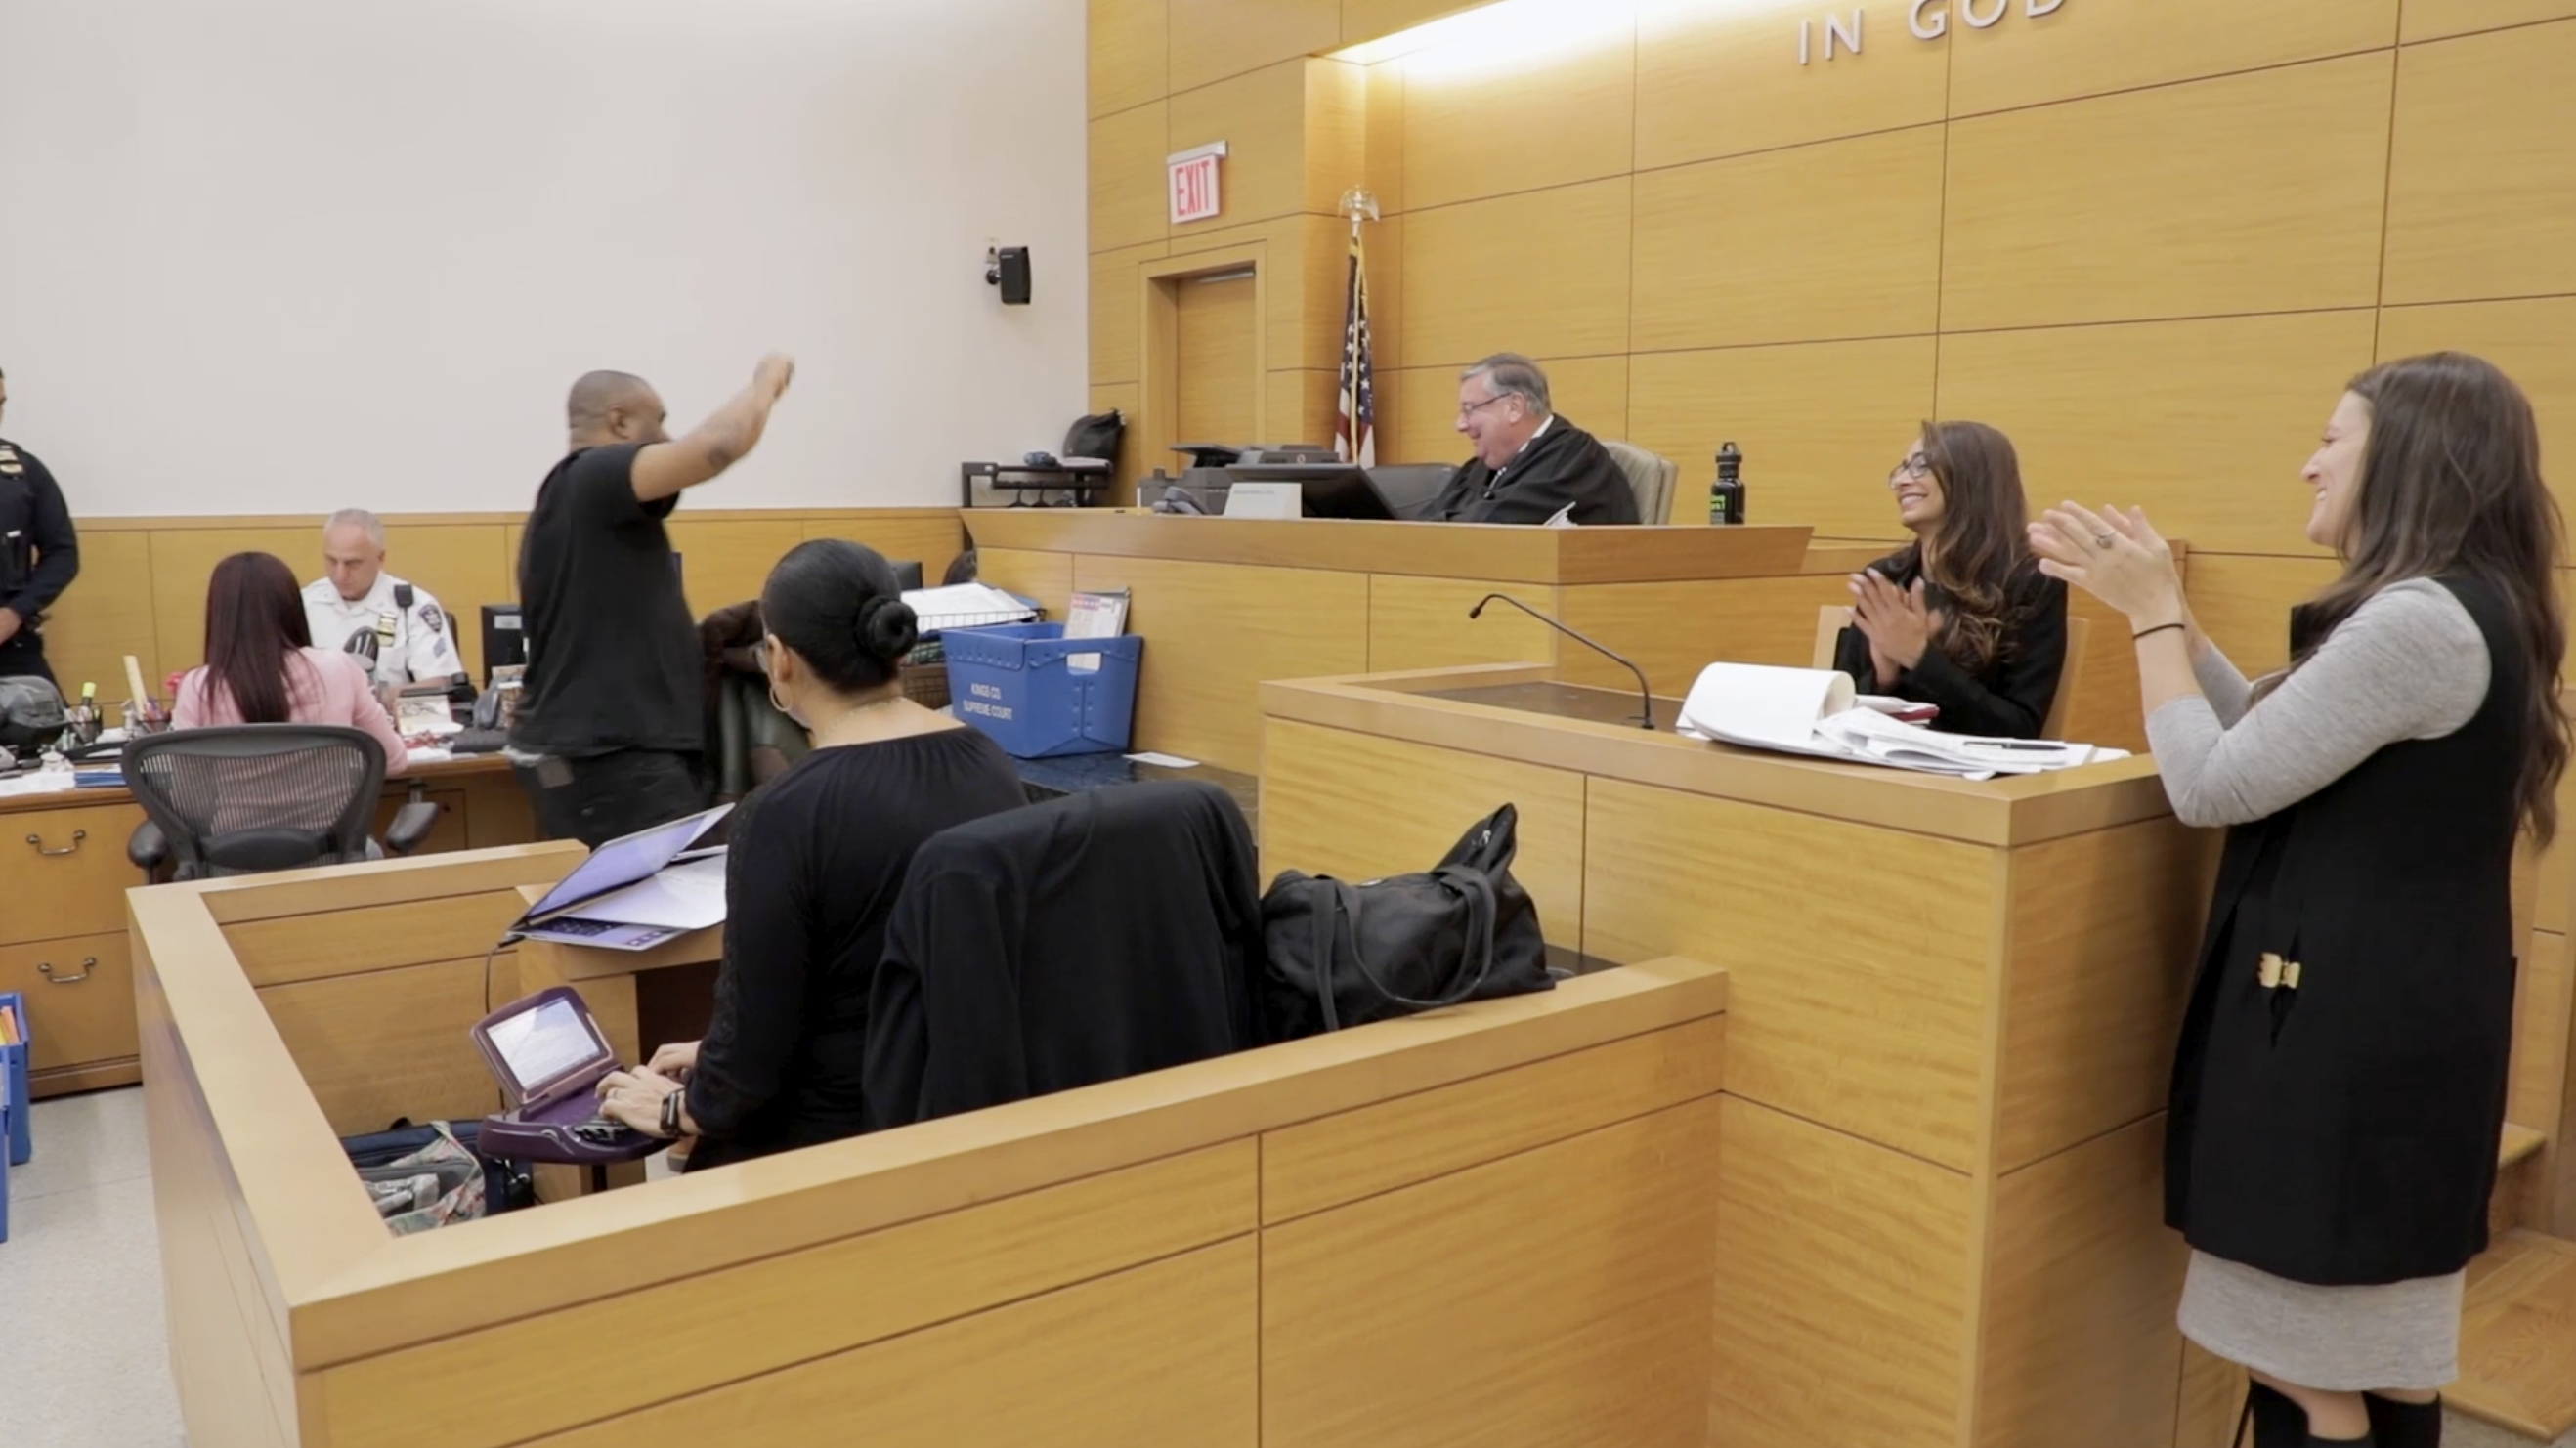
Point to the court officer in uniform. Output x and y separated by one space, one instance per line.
39 555
395 627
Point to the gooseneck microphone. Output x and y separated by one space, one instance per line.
1645 696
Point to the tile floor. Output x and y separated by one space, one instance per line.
86 1362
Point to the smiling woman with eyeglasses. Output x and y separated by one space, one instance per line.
1961 617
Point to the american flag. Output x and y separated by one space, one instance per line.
1355 407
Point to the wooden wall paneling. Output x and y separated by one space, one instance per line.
2434 19
1046 577
726 562
2256 193
933 540
1384 245
810 1303
2088 1047
1422 623
1838 239
1468 1335
1129 48
108 612
90 1019
388 1044
1842 1288
2213 1392
1419 800
1673 630
1336 133
2204 423
2078 1337
1164 1353
1875 1027
1128 203
460 563
1215 631
2080 50
1385 136
1344 1158
2528 339
1301 405
1215 39
1309 312
1364 20
1716 80
1419 420
1544 274
1590 391
2482 163
183 562
1261 116
512 534
1821 424
1475 128
2243 603
1117 310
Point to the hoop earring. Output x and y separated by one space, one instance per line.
778 704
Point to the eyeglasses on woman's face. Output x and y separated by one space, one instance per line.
1915 466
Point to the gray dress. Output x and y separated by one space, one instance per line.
2409 664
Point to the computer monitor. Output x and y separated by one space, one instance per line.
1329 490
505 638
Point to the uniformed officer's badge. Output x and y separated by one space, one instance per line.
9 460
431 619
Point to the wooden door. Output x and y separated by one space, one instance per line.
1218 382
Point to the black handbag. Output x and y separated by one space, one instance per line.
1095 436
1344 955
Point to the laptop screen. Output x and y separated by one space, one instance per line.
544 1043
623 861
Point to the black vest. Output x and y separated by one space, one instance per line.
2343 1130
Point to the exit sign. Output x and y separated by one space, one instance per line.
1193 178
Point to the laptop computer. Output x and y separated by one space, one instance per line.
624 861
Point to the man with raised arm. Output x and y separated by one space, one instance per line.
611 725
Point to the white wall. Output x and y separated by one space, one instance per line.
290 255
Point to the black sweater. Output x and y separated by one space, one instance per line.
817 857
2011 695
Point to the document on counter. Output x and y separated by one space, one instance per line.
674 901
967 605
1817 712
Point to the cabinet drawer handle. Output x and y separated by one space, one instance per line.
71 849
46 969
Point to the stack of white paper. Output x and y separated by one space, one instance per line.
1816 712
966 605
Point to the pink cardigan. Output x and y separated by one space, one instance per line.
323 686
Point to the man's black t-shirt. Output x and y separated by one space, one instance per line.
612 652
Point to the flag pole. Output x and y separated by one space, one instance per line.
1354 425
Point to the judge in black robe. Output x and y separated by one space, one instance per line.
1530 465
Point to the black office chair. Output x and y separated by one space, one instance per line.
249 798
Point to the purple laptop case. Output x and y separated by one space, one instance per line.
539 1124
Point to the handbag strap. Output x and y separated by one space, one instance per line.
1481 910
1324 940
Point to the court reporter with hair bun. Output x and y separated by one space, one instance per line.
817 857
1961 617
2338 1093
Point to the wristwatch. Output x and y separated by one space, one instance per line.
671 1114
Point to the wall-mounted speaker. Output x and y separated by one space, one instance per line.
1008 268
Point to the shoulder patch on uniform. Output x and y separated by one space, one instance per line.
431 619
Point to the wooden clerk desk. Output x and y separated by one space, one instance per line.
1939 1213
63 878
1489 1225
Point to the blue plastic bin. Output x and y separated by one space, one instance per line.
10 1111
21 1144
1012 682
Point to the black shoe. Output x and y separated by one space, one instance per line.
2404 1425
2278 1421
